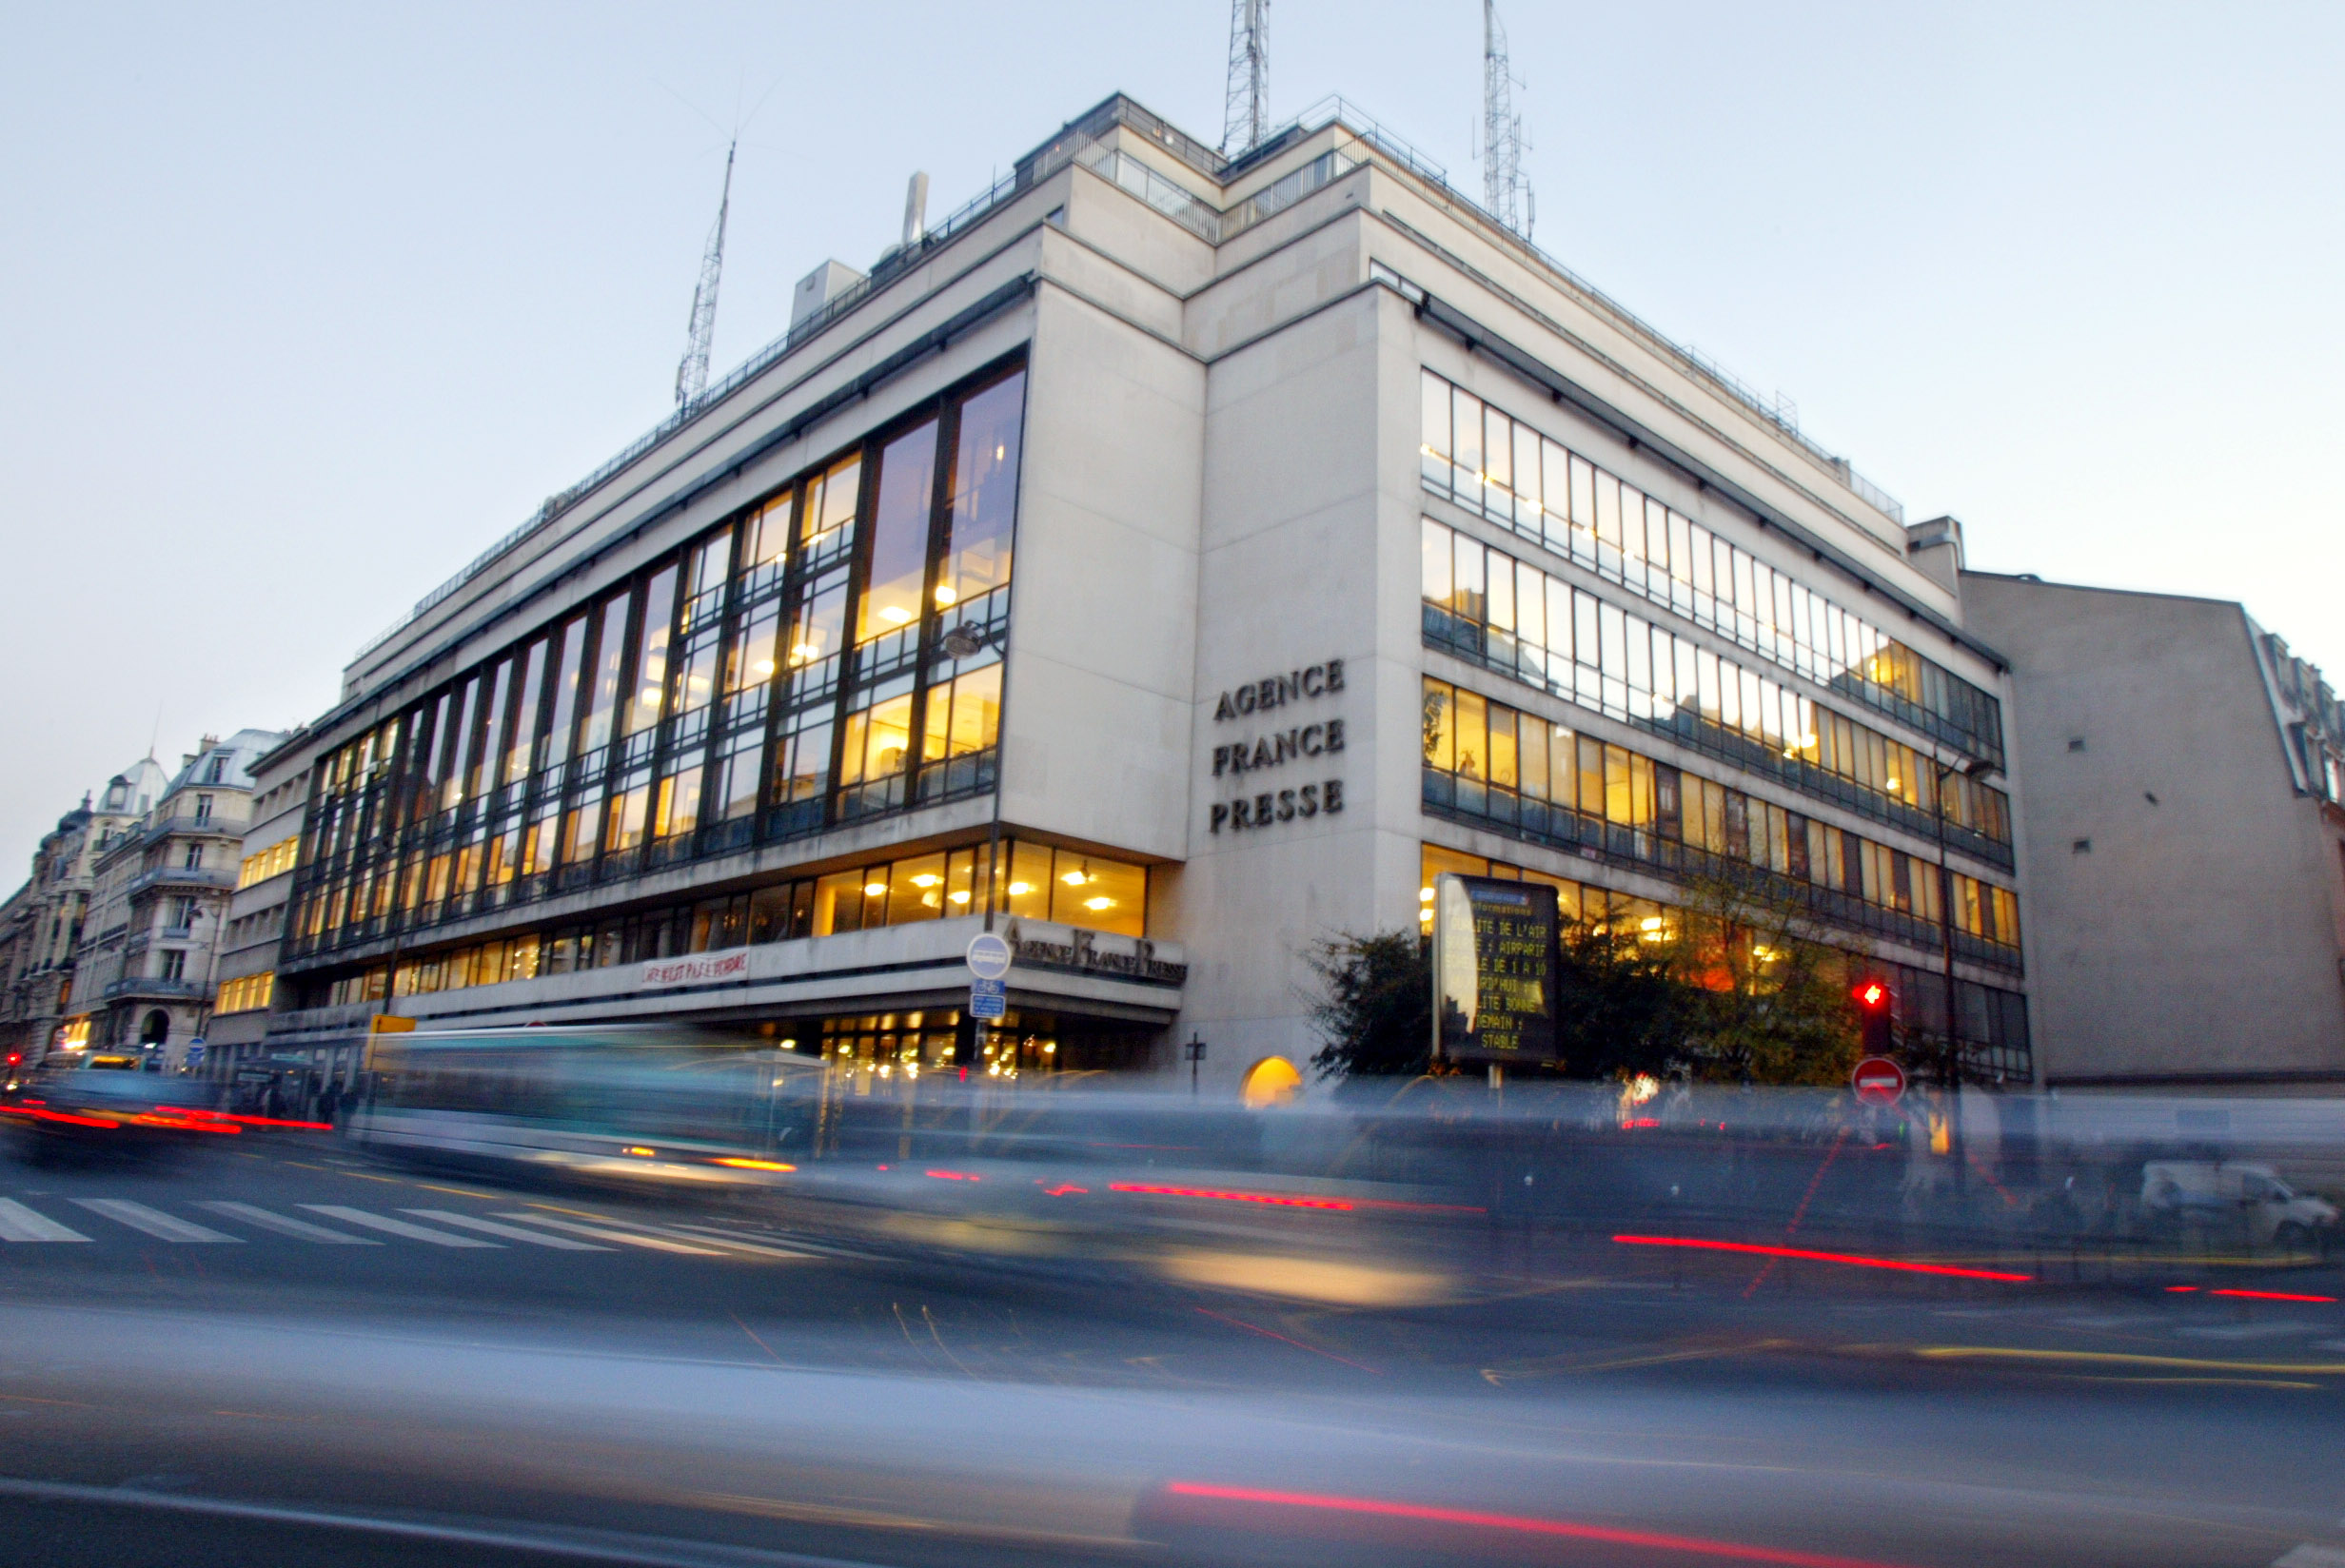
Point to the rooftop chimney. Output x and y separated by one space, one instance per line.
915 208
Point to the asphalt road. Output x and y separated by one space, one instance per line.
284 1352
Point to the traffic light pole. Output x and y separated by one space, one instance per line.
1950 1064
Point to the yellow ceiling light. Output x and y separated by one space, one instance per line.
945 593
1018 889
959 897
1076 879
873 889
1651 923
763 666
1425 895
1098 903
926 879
894 614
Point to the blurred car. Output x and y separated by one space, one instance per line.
104 1103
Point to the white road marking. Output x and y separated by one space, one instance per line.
725 1238
2310 1556
629 1238
285 1225
19 1224
153 1220
395 1227
511 1232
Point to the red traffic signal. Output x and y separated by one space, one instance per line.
1875 1002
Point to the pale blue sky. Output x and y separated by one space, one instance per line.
301 306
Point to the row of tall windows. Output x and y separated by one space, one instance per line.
831 654
1489 463
1989 1023
1507 615
274 861
1036 882
247 994
1540 780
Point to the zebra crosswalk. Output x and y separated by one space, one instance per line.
237 1222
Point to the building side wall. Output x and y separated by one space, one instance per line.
2196 936
1104 624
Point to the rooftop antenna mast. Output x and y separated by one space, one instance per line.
1245 114
1504 193
692 371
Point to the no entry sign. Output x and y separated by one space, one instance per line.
1878 1081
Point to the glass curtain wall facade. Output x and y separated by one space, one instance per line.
1494 765
1485 606
1488 764
830 653
1490 463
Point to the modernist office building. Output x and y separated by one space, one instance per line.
1185 559
2185 836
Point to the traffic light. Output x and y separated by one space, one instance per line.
1874 1000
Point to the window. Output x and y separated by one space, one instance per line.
247 994
182 912
218 767
878 743
193 860
174 966
602 681
983 494
519 761
649 688
563 719
900 534
203 808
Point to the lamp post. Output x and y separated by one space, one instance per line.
1195 1050
1950 1063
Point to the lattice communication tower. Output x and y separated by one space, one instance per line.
1505 191
692 371
1246 112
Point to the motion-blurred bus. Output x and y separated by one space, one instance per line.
640 1104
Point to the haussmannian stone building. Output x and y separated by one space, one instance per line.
42 925
158 907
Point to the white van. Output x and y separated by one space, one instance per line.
2251 1196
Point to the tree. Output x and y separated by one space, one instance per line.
1375 1010
1621 1008
1766 998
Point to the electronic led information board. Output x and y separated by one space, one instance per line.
1493 970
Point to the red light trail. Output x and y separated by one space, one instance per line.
1520 1524
1851 1259
1273 1198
